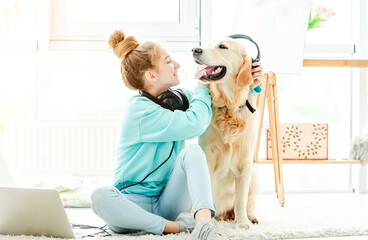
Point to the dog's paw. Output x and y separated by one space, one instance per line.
253 219
244 224
219 218
229 215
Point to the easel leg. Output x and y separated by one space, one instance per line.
273 113
260 101
269 91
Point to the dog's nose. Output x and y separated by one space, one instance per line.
196 51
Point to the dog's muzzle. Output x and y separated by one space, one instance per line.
209 73
197 51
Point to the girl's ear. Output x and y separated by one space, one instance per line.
150 75
244 76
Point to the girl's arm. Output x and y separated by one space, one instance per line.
162 125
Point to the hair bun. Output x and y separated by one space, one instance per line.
116 37
122 46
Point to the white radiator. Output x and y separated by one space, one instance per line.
45 146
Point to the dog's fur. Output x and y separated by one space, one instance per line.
230 139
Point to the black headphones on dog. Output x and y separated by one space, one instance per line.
171 99
236 36
257 59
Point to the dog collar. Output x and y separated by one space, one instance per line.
246 104
249 106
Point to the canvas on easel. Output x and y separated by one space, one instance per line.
279 27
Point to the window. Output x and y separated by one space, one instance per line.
337 29
334 37
18 61
83 85
18 24
93 20
17 84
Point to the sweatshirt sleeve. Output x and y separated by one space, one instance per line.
158 124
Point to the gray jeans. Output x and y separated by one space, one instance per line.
189 186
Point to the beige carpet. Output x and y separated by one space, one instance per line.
304 216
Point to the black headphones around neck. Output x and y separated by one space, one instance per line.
171 99
236 36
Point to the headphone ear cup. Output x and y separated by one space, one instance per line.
176 99
157 100
253 60
169 98
184 99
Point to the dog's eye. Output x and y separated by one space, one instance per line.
222 46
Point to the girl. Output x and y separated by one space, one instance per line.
157 179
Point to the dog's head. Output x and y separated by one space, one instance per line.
224 62
228 69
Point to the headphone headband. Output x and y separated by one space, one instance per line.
171 99
235 36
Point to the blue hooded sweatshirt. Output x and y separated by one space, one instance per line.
148 132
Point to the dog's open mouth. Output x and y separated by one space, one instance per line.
211 73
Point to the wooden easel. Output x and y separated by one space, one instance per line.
269 91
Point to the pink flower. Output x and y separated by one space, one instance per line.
317 10
318 14
330 14
321 11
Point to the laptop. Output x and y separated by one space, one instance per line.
25 211
37 212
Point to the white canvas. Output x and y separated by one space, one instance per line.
279 27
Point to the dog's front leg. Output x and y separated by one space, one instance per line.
242 183
253 191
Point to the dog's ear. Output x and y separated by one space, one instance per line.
244 76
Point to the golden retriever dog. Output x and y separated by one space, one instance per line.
230 139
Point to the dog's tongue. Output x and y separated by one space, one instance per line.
207 70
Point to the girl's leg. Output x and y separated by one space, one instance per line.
125 212
189 184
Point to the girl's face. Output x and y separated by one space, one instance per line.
167 72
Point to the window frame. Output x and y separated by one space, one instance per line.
66 35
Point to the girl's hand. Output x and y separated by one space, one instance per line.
257 74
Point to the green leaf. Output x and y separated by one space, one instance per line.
314 21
